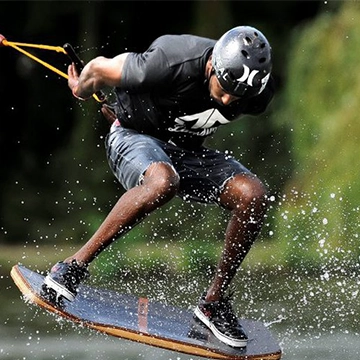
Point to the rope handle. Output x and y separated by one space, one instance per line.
69 50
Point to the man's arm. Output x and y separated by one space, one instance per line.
97 74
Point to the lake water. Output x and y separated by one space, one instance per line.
313 317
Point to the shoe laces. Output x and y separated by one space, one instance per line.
221 311
225 309
77 273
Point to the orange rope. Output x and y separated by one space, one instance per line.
45 47
16 47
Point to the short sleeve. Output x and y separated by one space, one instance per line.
143 71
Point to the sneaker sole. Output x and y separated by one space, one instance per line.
61 290
222 337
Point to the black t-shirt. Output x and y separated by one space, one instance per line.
164 92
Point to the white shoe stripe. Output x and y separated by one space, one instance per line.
222 337
61 290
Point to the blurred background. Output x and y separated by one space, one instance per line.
56 186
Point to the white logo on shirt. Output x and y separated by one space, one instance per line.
201 124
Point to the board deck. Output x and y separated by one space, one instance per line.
148 322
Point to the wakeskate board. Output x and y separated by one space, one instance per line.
148 322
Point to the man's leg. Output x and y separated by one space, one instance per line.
160 184
245 196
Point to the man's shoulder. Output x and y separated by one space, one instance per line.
183 44
183 39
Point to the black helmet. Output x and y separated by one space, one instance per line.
241 61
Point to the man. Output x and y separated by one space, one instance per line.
169 99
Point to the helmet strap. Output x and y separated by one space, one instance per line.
211 73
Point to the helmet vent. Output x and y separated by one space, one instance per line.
247 40
245 54
262 60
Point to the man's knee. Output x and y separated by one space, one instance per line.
162 178
243 191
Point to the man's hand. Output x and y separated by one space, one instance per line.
73 82
108 113
73 79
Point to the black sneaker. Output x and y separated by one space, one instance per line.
62 281
219 317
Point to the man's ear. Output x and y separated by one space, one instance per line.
209 65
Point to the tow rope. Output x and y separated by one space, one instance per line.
67 49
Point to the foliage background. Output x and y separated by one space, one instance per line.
55 183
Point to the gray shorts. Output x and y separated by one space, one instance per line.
202 172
